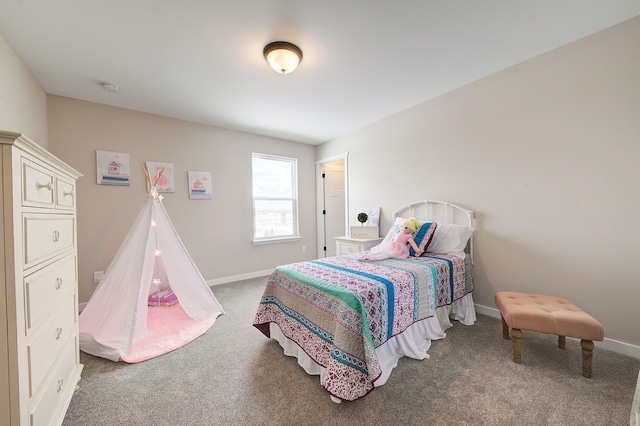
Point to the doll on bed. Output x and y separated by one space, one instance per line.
398 246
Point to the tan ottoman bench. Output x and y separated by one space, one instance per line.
551 315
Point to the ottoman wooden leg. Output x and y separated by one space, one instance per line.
587 357
505 329
562 342
516 334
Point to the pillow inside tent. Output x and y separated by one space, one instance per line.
163 298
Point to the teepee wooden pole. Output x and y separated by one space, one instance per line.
159 174
155 181
145 169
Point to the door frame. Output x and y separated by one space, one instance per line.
320 234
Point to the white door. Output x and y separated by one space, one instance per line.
332 206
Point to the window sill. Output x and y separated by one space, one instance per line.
276 240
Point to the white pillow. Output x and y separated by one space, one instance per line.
450 238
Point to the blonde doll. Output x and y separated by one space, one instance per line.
398 246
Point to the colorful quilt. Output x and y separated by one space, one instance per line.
340 309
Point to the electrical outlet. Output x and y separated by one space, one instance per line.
304 249
97 277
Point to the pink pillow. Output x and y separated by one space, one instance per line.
163 298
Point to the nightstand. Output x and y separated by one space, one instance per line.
346 245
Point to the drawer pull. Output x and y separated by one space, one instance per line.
58 333
56 236
58 283
67 194
60 384
43 185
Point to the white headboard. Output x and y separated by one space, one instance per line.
439 211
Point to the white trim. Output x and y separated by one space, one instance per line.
344 156
276 240
241 277
218 281
319 163
609 344
293 162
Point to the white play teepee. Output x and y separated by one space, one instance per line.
114 323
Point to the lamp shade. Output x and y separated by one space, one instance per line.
282 56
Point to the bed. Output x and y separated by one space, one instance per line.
349 320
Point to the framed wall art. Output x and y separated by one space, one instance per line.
167 180
199 185
112 168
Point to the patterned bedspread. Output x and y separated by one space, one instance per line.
339 309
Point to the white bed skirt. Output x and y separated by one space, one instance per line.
414 342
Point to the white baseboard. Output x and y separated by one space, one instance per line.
219 281
609 344
233 278
490 312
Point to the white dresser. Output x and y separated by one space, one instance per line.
634 418
39 353
346 245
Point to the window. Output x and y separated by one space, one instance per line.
275 198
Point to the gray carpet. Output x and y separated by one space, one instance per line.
233 375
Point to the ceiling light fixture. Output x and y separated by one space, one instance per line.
282 56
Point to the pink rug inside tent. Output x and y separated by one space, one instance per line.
170 328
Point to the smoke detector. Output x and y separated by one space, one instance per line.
108 87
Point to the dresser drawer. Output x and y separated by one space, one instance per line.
348 245
37 185
46 288
47 235
57 388
345 248
65 193
44 348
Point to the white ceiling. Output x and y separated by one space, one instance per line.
201 60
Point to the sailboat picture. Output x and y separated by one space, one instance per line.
199 185
112 168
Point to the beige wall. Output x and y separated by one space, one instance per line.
545 152
23 103
548 155
217 232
